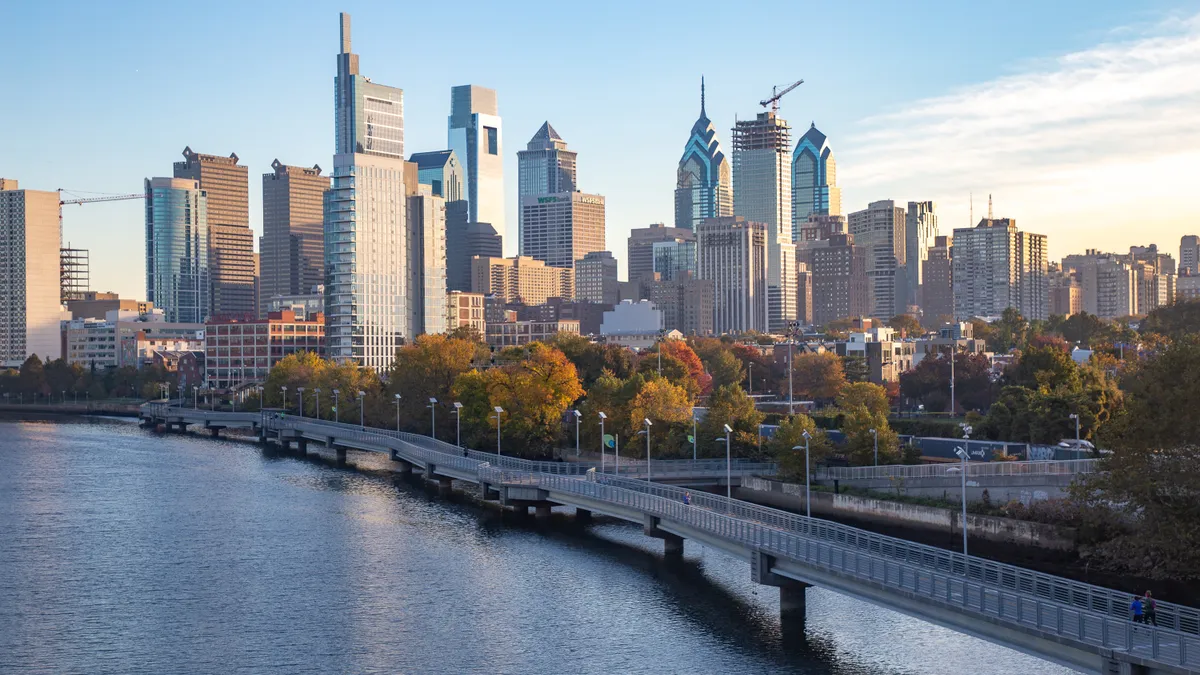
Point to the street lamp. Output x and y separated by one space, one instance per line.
195 397
876 435
791 365
499 412
317 394
602 418
362 397
397 396
433 417
807 479
578 416
458 424
646 431
336 413
1075 416
728 461
284 390
964 456
694 439
750 377
300 393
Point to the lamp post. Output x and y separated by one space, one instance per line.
728 462
300 393
284 390
578 416
875 434
953 351
336 412
397 397
195 397
317 395
433 417
458 424
602 418
807 478
1075 416
694 439
791 365
499 412
362 398
964 456
646 431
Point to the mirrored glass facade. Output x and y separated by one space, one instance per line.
177 261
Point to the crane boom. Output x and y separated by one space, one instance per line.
776 95
107 198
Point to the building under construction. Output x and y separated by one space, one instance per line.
74 273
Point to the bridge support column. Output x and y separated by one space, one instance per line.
488 493
672 543
542 511
215 432
341 455
792 596
444 486
583 516
302 446
405 467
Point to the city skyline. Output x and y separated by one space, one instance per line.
1070 58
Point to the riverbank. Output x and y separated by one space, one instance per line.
89 408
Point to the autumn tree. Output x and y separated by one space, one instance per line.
929 382
730 405
725 368
427 368
815 377
866 394
906 325
669 409
857 424
790 434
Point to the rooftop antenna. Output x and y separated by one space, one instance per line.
971 218
701 94
989 206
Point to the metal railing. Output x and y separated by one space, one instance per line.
977 469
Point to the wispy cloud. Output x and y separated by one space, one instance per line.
1096 136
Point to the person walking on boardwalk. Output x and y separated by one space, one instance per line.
1150 610
1135 608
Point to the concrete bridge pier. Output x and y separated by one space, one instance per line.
487 493
301 446
792 593
444 486
341 455
583 516
215 432
542 511
672 543
405 468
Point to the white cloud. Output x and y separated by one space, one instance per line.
1097 148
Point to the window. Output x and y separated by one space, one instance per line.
493 140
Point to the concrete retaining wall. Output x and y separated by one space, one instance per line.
883 512
1024 489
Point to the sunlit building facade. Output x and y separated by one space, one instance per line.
177 249
814 180
704 179
476 137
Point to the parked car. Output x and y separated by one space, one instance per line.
1076 445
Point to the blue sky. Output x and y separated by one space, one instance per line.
1083 118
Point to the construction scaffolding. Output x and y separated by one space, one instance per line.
75 273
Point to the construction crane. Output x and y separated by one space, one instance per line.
776 95
89 200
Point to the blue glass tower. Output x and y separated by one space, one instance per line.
704 185
814 180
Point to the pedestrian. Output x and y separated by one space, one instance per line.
1135 608
1150 609
687 498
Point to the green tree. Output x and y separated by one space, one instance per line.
1081 328
790 435
32 377
871 396
1009 331
725 368
860 442
1044 367
730 405
906 325
855 368
1175 321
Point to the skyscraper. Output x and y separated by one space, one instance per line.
839 279
177 252
814 180
366 256
762 193
641 243
426 219
920 228
731 252
230 240
464 242
476 137
880 230
545 166
937 276
1189 254
292 248
561 228
442 172
30 293
596 278
704 180
997 266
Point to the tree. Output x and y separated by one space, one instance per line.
906 325
302 369
860 442
1176 320
660 402
32 378
730 405
1152 477
1081 328
670 368
871 396
427 368
790 434
535 392
816 377
929 382
725 368
855 368
680 350
1048 367
1011 330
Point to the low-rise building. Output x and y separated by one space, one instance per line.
517 333
126 338
238 352
187 365
465 310
97 305
686 303
637 325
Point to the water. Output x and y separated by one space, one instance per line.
126 551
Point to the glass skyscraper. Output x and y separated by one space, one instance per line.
177 262
704 181
814 180
475 135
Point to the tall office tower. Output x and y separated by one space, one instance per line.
686 303
442 172
545 167
762 193
1154 289
880 229
464 242
230 240
521 280
674 259
815 233
366 256
641 242
839 278
426 218
1189 254
731 251
937 274
561 228
30 292
704 180
920 229
476 137
178 272
814 180
596 278
804 291
292 248
997 266
75 278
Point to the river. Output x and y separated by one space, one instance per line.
124 551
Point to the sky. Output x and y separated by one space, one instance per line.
1081 119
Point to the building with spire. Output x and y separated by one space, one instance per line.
366 248
544 167
704 179
762 193
814 180
476 137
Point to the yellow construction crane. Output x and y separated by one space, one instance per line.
776 95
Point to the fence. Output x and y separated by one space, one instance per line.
975 469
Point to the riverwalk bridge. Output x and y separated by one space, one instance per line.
1078 625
